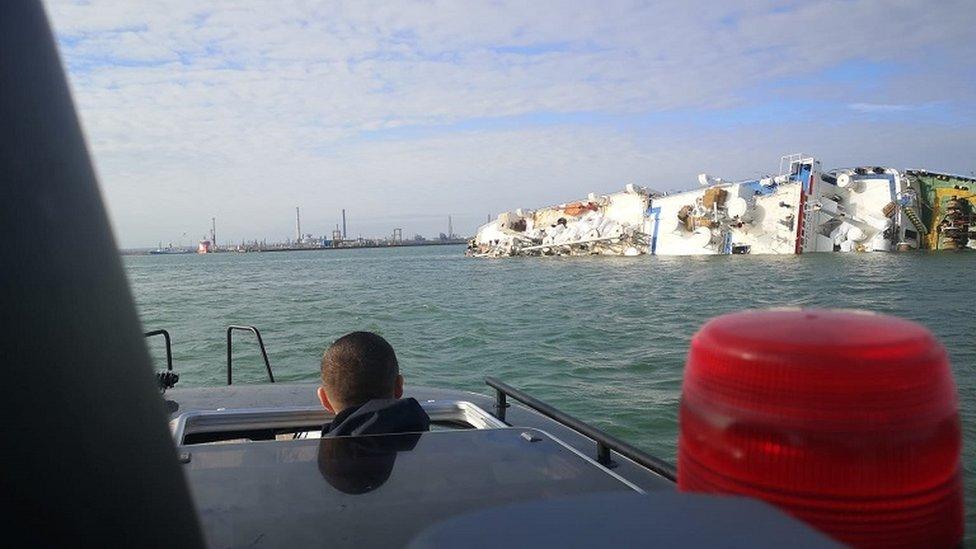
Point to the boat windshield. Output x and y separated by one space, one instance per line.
378 490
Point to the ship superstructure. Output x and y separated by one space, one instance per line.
801 209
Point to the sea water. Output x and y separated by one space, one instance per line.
602 338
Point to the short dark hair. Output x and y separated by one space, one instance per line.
359 367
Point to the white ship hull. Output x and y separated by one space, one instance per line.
800 210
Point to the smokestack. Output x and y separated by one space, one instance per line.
213 232
450 227
343 223
298 225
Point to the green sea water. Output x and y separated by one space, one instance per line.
601 338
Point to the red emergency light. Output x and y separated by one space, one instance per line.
847 420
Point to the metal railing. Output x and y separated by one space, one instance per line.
230 354
605 442
169 346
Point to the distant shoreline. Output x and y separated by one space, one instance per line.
146 251
360 247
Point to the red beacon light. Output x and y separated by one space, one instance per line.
847 420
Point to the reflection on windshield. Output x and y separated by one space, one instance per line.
357 465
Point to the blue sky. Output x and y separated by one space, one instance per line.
404 113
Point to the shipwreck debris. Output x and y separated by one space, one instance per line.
800 210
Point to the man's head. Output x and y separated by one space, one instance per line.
357 368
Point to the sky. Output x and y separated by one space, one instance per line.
406 112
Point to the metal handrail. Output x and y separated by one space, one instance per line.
605 442
169 346
230 354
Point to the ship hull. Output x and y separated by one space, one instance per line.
800 210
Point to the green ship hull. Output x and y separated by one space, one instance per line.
948 209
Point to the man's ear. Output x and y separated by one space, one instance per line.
324 399
398 387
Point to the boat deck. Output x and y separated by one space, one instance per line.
300 399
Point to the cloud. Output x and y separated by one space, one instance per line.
225 108
880 107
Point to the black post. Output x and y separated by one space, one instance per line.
603 455
230 351
169 347
501 403
264 355
87 454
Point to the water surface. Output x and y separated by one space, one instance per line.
602 338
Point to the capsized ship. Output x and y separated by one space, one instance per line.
802 209
950 209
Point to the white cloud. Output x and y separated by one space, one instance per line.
242 109
882 108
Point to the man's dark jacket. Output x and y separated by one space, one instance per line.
379 416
